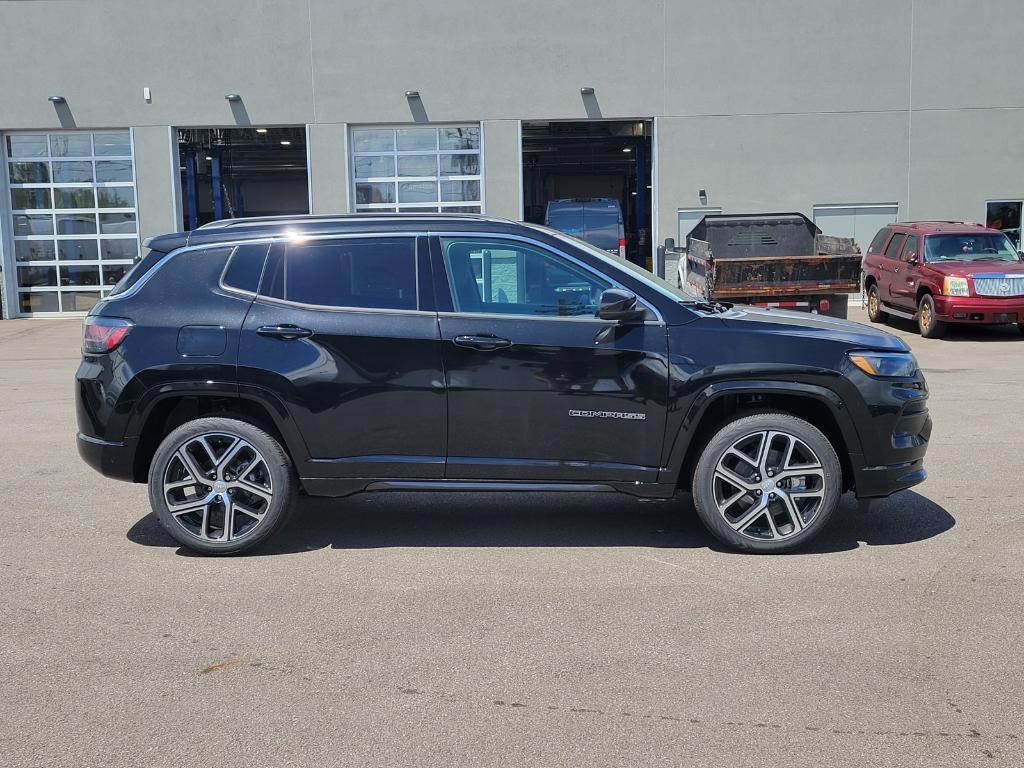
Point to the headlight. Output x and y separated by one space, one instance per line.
954 286
885 364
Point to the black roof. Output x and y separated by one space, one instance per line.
253 228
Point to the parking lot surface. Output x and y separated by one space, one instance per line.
412 629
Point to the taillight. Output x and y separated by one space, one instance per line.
823 305
103 334
622 247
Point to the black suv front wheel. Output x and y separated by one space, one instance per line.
221 486
767 483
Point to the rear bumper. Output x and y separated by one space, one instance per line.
108 458
976 309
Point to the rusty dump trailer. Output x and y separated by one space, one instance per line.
774 260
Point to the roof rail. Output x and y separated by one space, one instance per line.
306 218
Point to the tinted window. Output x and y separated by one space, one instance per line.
892 250
909 248
245 267
377 273
879 241
141 267
511 278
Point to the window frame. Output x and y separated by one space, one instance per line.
284 242
412 208
906 242
890 241
654 316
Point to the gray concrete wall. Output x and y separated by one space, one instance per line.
327 147
503 182
157 185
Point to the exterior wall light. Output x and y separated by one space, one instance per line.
412 94
233 97
703 195
587 91
56 99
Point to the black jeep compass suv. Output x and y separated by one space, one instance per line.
245 361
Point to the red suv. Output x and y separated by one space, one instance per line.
944 272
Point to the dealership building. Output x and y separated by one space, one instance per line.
122 119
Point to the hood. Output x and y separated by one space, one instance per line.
962 268
806 325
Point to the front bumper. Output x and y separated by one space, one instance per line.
108 458
979 309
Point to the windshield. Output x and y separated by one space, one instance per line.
659 284
981 246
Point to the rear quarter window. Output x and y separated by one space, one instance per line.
141 267
245 267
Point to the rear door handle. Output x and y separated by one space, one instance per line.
483 343
284 331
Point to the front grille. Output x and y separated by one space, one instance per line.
999 285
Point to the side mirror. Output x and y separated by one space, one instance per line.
912 258
620 306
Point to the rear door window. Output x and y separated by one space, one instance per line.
879 241
892 250
370 273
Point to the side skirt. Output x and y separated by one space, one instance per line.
321 486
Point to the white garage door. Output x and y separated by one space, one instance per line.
861 222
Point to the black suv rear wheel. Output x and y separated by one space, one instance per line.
767 483
221 486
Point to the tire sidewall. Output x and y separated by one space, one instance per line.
278 464
703 480
937 326
878 316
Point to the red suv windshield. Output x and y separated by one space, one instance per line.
969 246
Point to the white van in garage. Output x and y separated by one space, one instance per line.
596 220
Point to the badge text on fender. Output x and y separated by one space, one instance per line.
608 415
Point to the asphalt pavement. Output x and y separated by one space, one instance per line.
412 629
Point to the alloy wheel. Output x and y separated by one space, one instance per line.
217 487
769 485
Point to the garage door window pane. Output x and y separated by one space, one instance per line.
33 224
117 223
79 275
112 144
74 198
30 198
78 301
113 170
39 301
460 138
417 192
71 145
76 224
413 139
373 141
26 146
116 197
114 272
417 165
77 250
460 190
122 248
460 165
371 166
34 250
29 173
377 192
78 172
37 277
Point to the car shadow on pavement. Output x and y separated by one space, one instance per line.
964 332
410 519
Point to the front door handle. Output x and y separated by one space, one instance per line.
285 331
482 342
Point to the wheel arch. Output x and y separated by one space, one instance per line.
721 403
161 412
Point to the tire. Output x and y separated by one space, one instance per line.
929 325
730 510
875 312
252 476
